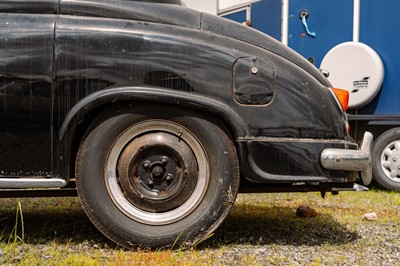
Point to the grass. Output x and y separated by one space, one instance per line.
261 230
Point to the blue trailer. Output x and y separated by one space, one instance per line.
356 43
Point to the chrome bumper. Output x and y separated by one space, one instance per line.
351 160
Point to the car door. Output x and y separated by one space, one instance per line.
26 56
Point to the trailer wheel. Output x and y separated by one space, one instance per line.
386 159
154 178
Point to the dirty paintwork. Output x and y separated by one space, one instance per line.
61 67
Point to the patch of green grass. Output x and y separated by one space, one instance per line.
262 229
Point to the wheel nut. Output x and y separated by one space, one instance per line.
146 164
164 160
169 177
394 159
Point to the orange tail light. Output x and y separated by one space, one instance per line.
343 97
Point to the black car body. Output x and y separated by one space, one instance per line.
154 100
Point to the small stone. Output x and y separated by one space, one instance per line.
371 216
306 212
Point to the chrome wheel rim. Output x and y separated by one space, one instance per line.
150 175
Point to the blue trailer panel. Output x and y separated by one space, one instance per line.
266 17
326 19
238 16
380 22
263 15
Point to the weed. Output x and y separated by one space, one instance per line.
13 238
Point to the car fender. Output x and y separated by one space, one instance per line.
149 94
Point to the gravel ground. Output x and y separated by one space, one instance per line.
375 245
255 233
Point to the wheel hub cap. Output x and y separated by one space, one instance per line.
390 161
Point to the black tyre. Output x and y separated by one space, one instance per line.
386 159
156 176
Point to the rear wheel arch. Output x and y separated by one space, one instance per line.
111 96
81 116
76 132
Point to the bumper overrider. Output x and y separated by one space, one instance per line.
351 160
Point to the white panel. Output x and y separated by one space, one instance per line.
209 6
224 4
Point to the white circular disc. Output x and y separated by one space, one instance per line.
357 68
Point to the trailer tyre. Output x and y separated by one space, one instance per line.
152 178
386 159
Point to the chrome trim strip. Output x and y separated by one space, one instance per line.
297 140
22 183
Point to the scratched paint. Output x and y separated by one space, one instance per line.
62 66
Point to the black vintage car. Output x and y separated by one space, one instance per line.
159 115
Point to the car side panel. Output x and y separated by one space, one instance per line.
26 52
94 54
